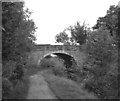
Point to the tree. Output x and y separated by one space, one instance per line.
17 39
62 38
78 35
18 33
109 21
101 64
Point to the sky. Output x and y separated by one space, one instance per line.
53 16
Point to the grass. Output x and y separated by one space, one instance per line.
65 88
59 84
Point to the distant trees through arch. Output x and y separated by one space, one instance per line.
69 61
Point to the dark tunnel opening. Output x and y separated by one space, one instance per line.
68 60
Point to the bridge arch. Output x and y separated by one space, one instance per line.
42 51
59 51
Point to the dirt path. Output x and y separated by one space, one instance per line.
39 88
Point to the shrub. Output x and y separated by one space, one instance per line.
21 88
7 89
17 91
8 68
101 64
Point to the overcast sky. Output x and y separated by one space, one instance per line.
53 16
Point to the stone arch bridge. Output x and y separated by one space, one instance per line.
41 51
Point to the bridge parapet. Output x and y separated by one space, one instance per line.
55 47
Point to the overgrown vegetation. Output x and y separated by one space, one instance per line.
100 70
17 39
55 64
102 64
64 88
99 73
102 61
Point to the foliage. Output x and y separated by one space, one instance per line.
9 67
62 38
101 66
21 88
65 88
102 59
7 89
55 64
109 21
59 68
17 38
78 35
18 35
19 91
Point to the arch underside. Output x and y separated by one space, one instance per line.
68 59
58 53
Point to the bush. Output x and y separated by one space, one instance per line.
8 68
101 64
17 91
21 88
7 89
